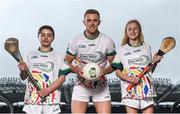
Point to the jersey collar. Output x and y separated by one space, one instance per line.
39 49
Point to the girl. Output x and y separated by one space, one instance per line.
132 57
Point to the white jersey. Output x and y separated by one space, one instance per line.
87 51
132 60
44 67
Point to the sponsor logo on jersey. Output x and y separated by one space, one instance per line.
138 50
96 57
47 67
91 45
44 56
129 53
142 60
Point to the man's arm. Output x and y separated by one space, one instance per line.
69 59
108 69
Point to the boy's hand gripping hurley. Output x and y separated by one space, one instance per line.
12 47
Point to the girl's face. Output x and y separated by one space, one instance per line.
46 38
133 31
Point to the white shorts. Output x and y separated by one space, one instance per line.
138 104
83 94
42 109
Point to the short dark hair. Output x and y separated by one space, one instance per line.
46 27
91 11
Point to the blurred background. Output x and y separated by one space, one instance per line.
22 19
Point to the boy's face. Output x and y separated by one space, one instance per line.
91 21
46 38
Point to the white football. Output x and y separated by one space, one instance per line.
91 71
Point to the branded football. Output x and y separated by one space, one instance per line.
91 71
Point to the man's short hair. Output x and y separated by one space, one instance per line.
91 11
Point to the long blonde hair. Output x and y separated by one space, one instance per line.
125 39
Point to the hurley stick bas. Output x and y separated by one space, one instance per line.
12 47
167 44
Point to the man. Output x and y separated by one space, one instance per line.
44 64
91 46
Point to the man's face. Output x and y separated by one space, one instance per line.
46 38
91 21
